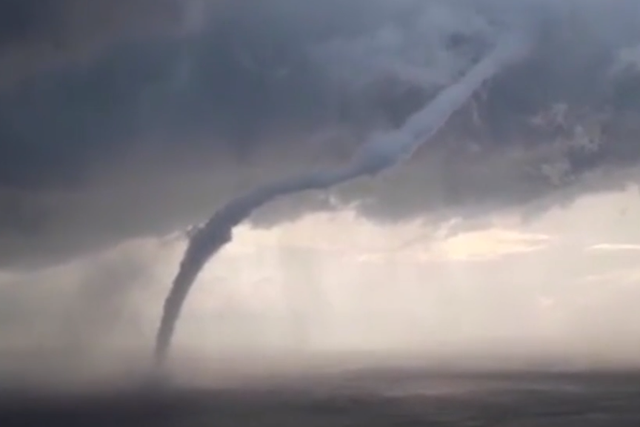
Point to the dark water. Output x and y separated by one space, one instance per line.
369 399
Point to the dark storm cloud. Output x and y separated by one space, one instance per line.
120 119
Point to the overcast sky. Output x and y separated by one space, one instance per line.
124 122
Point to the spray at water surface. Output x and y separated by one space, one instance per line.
383 151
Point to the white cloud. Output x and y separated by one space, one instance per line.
489 244
613 247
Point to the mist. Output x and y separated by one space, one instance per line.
536 295
66 323
510 295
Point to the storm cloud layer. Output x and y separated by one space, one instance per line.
123 119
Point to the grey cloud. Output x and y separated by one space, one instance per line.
140 127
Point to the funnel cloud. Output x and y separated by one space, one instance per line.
383 152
